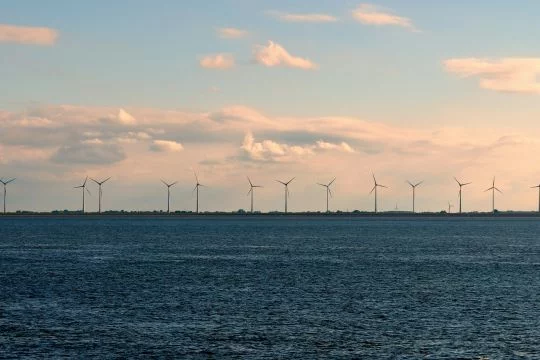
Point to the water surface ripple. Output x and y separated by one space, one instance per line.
269 288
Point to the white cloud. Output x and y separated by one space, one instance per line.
269 150
343 146
27 35
306 18
166 146
274 54
372 15
231 33
518 75
217 61
126 118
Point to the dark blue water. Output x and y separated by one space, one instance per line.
270 288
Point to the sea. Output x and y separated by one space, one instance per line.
268 287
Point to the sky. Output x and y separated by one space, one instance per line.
143 90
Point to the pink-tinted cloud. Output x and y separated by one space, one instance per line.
273 55
231 33
166 146
27 35
517 75
372 15
217 61
305 18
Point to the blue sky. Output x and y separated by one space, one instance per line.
471 67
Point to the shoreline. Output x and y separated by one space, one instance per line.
333 215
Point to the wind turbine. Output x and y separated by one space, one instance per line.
534 187
252 191
100 191
450 206
461 185
328 192
414 186
196 188
493 188
169 194
5 183
84 189
287 194
375 186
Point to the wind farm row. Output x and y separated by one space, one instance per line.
252 188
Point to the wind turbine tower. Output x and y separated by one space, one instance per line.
196 188
287 194
5 183
414 186
375 186
450 206
328 192
100 183
84 189
461 185
252 191
493 188
169 194
537 187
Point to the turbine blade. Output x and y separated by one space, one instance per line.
250 183
321 185
249 192
386 187
85 180
88 191
457 181
330 191
164 183
290 181
174 183
410 183
420 183
374 180
331 182
499 190
12 180
372 190
94 180
281 182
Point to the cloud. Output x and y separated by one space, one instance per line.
343 146
231 33
27 35
269 150
372 15
218 61
166 146
63 143
274 54
305 18
126 118
516 75
93 152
